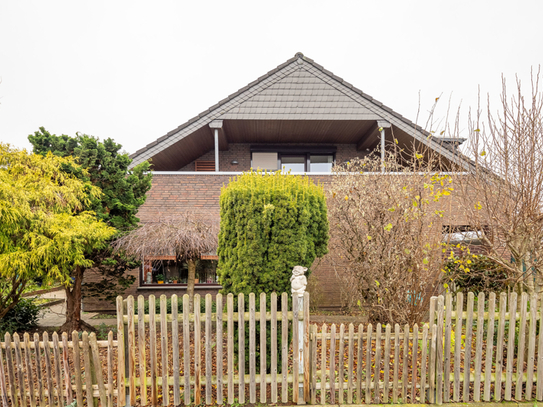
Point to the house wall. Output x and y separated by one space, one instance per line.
174 193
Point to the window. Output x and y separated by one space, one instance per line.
293 163
321 163
264 161
296 159
171 271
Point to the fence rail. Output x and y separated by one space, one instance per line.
266 349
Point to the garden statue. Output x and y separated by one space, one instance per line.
298 280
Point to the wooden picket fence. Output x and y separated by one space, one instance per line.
471 349
58 372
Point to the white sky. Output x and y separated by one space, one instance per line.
134 70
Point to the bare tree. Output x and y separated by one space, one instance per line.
386 230
502 196
188 236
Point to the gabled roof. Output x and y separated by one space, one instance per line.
298 89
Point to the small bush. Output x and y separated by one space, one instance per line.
23 317
482 275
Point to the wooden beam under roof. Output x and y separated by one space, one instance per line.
369 139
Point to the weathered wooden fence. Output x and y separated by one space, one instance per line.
57 372
472 349
459 356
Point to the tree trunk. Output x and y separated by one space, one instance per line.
190 283
73 305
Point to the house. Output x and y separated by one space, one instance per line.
297 117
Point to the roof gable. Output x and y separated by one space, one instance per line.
298 89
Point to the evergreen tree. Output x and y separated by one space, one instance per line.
123 192
44 229
269 224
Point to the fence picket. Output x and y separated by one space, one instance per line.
284 347
66 366
333 364
369 332
142 350
40 398
350 365
110 369
359 361
252 349
88 369
186 350
423 364
313 348
98 369
467 348
164 350
121 397
241 348
77 367
396 363
48 368
11 373
273 345
219 359
20 372
414 356
152 350
131 342
531 348
510 345
432 368
386 370
323 364
3 386
539 377
479 347
262 347
458 345
489 345
197 351
447 349
499 348
208 334
377 374
341 363
28 368
439 350
175 351
306 346
58 374
230 346
521 345
405 361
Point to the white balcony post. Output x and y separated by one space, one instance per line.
216 125
382 125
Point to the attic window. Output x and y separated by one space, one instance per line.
296 159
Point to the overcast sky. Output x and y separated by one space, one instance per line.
134 70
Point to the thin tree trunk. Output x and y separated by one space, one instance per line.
73 305
190 283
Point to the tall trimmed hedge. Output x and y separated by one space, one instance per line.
269 224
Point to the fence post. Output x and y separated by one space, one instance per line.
298 284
